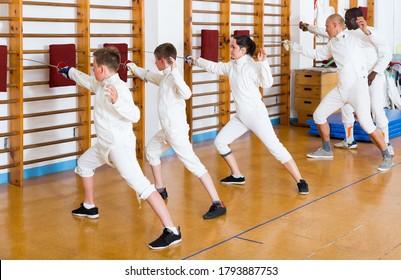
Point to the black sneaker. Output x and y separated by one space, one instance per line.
303 187
165 240
217 209
163 192
231 180
92 213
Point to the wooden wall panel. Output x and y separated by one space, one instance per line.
18 53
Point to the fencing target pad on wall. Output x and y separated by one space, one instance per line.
3 68
210 44
241 32
61 55
364 12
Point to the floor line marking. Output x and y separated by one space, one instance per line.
249 240
286 213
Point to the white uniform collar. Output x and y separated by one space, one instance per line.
167 70
242 60
342 34
111 79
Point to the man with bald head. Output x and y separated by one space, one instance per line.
348 51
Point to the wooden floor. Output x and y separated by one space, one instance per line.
352 211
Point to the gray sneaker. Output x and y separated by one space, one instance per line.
390 149
386 164
320 153
345 145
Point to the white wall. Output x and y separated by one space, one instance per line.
388 20
300 11
164 22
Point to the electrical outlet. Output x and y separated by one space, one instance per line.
277 101
6 143
74 132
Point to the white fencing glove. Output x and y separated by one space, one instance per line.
135 70
289 45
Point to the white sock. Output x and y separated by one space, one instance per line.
88 206
385 134
174 230
240 176
349 133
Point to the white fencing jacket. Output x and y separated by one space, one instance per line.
113 122
172 93
245 76
377 56
349 52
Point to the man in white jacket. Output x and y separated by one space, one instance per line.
114 112
348 51
378 58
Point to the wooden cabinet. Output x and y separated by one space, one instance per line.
311 85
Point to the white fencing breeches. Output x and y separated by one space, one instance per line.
258 122
356 96
376 93
124 160
181 146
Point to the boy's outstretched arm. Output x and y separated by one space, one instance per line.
142 73
135 70
79 77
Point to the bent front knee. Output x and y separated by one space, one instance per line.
84 172
146 192
222 147
318 118
152 158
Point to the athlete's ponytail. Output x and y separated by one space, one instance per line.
246 42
